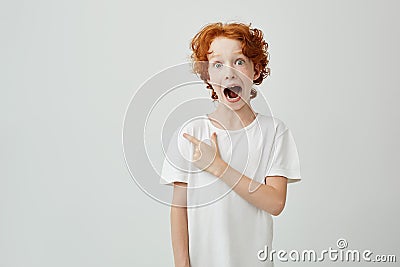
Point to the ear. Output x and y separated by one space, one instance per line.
257 72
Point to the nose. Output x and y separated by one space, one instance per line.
229 73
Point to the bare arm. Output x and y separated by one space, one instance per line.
179 226
270 196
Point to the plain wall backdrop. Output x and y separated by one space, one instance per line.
70 68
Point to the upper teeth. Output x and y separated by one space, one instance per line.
234 88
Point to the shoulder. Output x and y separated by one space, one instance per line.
272 123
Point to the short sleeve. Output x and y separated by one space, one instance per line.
176 165
285 158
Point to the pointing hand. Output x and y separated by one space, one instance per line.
206 157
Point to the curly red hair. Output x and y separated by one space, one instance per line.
253 46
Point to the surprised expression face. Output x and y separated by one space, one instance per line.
231 73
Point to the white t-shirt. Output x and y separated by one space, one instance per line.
224 229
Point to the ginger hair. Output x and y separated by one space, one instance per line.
253 46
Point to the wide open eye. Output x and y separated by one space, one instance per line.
240 62
218 65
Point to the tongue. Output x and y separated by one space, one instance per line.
232 94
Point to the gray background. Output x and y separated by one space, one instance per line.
70 68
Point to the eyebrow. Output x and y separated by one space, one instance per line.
216 55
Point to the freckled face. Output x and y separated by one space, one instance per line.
231 73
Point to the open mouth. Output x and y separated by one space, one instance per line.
232 94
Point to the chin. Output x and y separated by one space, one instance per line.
235 106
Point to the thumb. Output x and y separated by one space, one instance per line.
215 141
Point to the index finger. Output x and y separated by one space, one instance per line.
192 139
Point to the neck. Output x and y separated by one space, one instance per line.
233 119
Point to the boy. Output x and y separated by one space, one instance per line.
223 203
